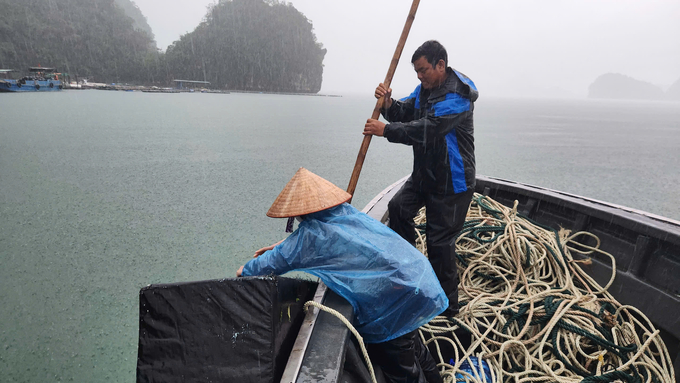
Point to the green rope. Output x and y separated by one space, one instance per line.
558 353
520 316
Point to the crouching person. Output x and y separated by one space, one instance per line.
390 285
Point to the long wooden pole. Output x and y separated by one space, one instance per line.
378 105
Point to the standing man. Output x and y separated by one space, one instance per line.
391 287
436 120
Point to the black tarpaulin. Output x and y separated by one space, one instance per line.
230 330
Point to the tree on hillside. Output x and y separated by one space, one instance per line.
251 45
132 10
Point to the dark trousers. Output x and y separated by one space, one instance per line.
445 219
405 360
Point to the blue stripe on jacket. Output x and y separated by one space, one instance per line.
456 163
454 104
416 95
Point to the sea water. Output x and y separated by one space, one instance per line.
102 193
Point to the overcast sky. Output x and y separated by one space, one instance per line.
508 47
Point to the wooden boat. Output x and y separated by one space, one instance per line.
646 247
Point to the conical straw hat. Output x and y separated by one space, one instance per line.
306 193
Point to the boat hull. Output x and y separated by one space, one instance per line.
14 86
646 247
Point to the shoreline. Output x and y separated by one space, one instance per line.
146 89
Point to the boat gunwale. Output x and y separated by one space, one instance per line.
657 226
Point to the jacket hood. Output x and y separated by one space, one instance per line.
461 84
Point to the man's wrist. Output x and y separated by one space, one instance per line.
390 102
385 130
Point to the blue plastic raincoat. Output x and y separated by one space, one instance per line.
390 284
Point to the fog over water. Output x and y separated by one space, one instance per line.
509 48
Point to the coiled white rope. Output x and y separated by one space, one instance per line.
533 314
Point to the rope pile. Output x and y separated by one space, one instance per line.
532 314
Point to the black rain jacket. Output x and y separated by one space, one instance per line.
438 123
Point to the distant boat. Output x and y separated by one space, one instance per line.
39 79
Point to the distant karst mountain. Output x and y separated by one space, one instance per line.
673 93
618 86
254 45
